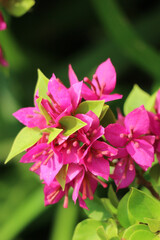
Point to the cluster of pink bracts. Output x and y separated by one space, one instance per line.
83 158
3 26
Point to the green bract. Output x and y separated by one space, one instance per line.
42 85
71 124
94 106
26 138
136 98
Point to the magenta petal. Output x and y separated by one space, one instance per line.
104 148
88 94
70 155
30 117
149 138
50 170
77 185
157 103
124 173
98 167
106 76
111 97
75 94
87 119
154 123
72 76
82 203
59 92
142 152
138 121
73 171
29 156
53 193
115 135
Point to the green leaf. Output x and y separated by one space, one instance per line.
43 110
101 233
153 224
42 85
129 231
111 230
135 99
94 106
104 111
87 230
71 124
142 205
142 234
155 172
61 176
151 102
112 196
54 132
97 210
26 138
124 216
108 205
18 8
107 116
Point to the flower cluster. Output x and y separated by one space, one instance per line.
73 148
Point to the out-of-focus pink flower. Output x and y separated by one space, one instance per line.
3 26
102 84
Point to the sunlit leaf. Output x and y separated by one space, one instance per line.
97 210
129 231
18 8
101 233
94 106
87 230
135 99
53 133
42 85
142 205
71 124
124 216
26 138
153 224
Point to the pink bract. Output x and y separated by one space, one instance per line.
102 84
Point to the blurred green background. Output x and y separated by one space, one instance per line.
50 36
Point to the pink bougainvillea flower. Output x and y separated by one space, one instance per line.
92 131
132 137
62 102
47 162
124 172
92 152
102 84
155 125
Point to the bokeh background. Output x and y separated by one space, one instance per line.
50 36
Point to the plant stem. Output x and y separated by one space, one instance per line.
148 185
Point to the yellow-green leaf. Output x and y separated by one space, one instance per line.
71 124
26 138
